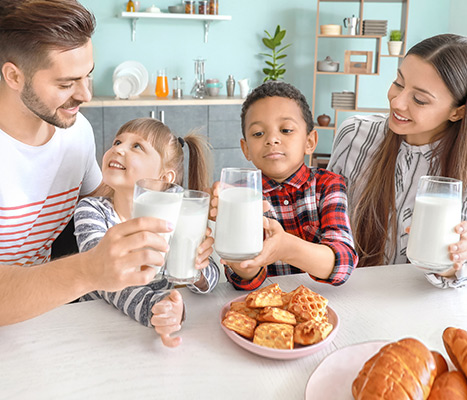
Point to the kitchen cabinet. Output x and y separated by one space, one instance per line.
205 18
221 124
319 38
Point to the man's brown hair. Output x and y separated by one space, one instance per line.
29 29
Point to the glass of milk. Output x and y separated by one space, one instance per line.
188 235
159 199
437 210
239 222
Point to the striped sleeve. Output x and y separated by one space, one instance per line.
211 274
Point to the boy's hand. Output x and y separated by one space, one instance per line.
272 246
167 318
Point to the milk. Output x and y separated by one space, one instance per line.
432 231
190 232
163 205
239 224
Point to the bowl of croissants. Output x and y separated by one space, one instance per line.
407 369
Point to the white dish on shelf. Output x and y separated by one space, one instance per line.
130 78
345 364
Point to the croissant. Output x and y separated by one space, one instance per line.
403 370
455 342
449 386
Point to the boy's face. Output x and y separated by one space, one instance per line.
276 138
129 159
55 93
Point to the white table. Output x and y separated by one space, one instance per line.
92 351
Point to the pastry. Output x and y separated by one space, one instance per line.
240 323
455 342
311 332
307 305
449 386
274 314
241 307
276 336
403 370
441 364
268 296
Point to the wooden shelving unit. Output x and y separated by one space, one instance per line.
377 55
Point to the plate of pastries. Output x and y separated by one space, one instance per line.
280 325
405 369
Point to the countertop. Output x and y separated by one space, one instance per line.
146 100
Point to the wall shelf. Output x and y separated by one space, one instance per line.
206 19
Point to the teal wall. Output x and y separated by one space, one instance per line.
234 46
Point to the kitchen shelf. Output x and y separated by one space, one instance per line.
134 16
378 55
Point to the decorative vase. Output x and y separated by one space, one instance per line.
324 120
395 48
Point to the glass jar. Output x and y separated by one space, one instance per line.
189 7
130 6
203 7
177 87
213 7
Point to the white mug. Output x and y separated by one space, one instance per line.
244 87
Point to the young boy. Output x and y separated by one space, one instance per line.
308 229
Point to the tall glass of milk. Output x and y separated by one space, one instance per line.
159 199
239 222
188 235
437 210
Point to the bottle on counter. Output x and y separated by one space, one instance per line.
230 85
162 85
130 6
214 7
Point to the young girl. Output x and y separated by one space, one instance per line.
146 148
383 156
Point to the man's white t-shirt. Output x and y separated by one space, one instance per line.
39 189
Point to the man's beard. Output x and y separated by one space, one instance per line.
32 101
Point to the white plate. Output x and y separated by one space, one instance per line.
340 367
298 352
137 71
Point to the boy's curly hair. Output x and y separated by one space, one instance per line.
278 89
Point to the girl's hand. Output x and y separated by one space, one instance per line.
167 318
459 250
204 251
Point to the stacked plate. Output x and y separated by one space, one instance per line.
375 27
343 100
130 78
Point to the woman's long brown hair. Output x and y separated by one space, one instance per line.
374 216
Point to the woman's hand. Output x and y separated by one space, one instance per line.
167 318
459 250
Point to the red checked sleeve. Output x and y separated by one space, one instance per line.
243 284
335 227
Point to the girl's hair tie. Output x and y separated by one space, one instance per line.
181 141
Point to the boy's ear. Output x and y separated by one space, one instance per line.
245 149
311 142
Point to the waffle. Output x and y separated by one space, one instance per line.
241 307
276 336
267 296
274 314
311 332
240 323
308 305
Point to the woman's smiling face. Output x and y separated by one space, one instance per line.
421 105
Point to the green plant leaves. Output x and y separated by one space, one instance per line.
272 42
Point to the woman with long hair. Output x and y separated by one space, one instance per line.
382 157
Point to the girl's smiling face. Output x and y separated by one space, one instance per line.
129 159
421 105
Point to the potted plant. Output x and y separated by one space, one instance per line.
395 43
275 69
